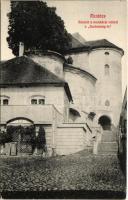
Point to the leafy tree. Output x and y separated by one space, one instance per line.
37 26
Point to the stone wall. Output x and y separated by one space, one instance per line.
71 138
82 87
80 60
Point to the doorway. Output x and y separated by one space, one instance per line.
105 122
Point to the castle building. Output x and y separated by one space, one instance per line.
75 97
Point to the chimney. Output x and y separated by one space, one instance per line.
21 49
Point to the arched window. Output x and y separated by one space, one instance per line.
106 53
107 103
4 100
39 100
107 69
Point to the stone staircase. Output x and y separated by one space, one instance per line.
108 144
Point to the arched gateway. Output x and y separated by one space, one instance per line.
105 122
22 132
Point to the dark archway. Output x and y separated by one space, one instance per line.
105 122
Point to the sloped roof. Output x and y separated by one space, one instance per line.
77 46
24 71
101 43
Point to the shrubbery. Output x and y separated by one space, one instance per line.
27 135
5 137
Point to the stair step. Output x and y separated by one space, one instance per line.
108 153
107 147
108 144
108 137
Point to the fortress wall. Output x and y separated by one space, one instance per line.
82 88
51 62
80 60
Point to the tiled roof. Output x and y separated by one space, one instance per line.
24 71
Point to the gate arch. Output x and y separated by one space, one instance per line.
105 122
20 121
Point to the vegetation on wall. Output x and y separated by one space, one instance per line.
27 134
37 26
24 135
5 137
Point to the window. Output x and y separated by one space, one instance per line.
41 101
107 69
33 101
38 100
107 103
4 100
106 53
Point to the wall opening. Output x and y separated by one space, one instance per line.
107 69
105 122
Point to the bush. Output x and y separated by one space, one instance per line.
5 137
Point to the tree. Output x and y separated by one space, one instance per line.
37 26
41 139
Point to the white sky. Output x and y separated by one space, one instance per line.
72 11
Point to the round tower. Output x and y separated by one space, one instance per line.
105 64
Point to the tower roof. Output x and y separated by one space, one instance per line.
101 43
78 46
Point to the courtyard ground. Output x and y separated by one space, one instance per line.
80 175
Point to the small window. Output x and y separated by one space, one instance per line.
107 69
5 101
33 101
107 103
106 53
41 101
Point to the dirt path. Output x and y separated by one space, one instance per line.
79 172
